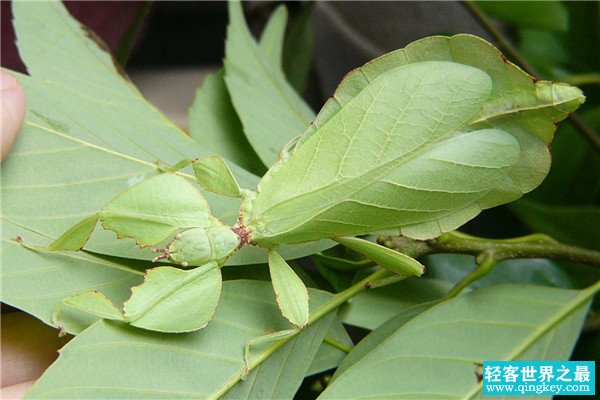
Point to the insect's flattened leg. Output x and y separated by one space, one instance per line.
72 240
289 148
90 302
291 294
77 236
180 165
214 175
386 281
254 346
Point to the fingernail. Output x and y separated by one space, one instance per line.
7 82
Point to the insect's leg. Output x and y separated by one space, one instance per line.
77 236
72 240
290 292
214 175
90 302
180 165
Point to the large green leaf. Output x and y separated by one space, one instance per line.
298 49
436 352
213 120
422 138
272 37
271 112
372 308
453 267
576 225
112 360
88 134
215 125
38 281
547 15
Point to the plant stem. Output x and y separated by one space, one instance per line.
490 252
483 268
336 301
507 47
531 246
337 344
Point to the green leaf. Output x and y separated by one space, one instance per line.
290 292
173 300
75 238
215 125
328 356
88 134
387 258
453 267
154 208
214 175
442 345
546 15
467 132
271 112
92 302
271 40
583 35
298 49
206 363
576 225
372 308
213 120
380 334
38 281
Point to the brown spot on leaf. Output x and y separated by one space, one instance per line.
503 58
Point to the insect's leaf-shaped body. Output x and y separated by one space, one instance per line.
154 208
415 143
197 246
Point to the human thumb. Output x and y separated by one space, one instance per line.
13 107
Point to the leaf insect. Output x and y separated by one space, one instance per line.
413 145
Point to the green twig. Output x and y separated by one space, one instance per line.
513 54
484 267
337 344
490 252
531 246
